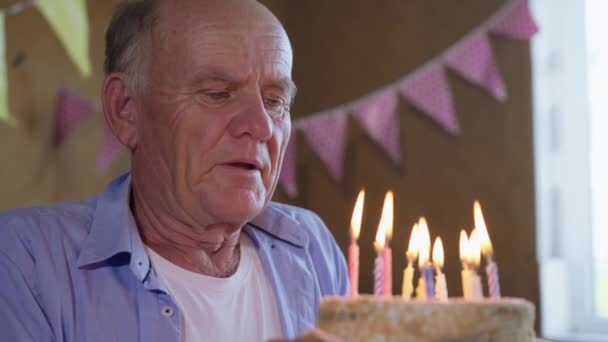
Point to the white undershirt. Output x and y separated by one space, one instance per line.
241 307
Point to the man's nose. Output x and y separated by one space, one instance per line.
252 119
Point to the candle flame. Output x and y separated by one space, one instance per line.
480 225
424 242
412 247
423 257
464 247
355 221
474 248
438 253
389 202
385 227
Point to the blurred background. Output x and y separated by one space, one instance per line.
467 103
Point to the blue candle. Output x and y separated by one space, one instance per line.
429 281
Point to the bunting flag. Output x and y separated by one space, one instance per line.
474 61
68 18
288 179
70 110
326 134
5 114
515 22
378 116
428 90
109 149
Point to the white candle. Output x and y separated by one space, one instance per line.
475 260
353 249
464 259
441 286
408 273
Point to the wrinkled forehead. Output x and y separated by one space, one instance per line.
220 25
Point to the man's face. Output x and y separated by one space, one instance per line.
213 118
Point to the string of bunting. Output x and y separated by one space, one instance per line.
426 88
325 131
69 21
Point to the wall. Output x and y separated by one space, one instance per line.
343 50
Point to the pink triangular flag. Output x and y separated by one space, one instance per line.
110 148
288 178
70 110
517 22
473 59
379 118
429 91
326 134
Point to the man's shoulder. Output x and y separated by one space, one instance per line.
36 229
297 213
326 256
308 221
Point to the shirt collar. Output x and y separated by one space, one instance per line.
113 229
279 224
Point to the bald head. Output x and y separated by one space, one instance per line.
137 24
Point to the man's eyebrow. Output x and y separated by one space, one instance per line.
214 74
288 85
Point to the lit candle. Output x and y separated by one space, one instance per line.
388 253
441 286
475 260
487 251
464 259
353 249
408 272
426 283
381 268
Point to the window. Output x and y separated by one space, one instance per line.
597 61
570 76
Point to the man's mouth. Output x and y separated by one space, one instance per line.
244 165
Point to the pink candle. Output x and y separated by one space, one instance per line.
487 250
353 268
353 249
388 274
379 275
382 265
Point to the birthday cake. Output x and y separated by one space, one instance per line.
372 318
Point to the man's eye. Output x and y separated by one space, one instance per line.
275 103
218 95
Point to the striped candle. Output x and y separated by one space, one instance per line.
493 283
379 275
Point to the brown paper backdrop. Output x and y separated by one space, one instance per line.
343 50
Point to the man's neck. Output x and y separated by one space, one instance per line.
208 249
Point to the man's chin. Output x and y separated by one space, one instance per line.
242 205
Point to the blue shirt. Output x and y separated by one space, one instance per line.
78 271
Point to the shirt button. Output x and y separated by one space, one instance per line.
167 311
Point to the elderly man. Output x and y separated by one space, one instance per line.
188 246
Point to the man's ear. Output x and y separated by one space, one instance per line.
119 109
